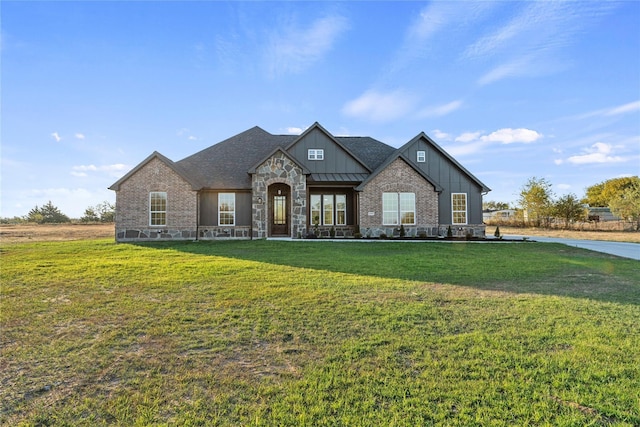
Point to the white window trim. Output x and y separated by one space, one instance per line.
322 211
395 210
315 154
403 211
398 209
151 212
421 155
232 211
466 210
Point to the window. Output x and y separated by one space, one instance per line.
407 208
315 209
315 154
226 209
328 209
421 156
341 209
398 208
158 208
459 208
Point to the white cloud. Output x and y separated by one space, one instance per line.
597 153
623 109
79 136
510 136
440 110
468 137
56 136
440 135
292 130
292 49
438 17
379 106
528 44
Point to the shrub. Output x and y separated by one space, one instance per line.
497 232
403 232
449 232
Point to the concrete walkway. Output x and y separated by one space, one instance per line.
622 249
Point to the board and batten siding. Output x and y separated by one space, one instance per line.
450 177
336 159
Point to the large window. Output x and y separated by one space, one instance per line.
158 208
226 209
459 208
398 208
315 154
328 209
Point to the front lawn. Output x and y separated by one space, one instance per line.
318 333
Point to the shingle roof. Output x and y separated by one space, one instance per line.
371 151
227 163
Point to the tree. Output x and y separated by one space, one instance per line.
107 211
102 212
569 209
535 201
47 214
602 194
627 206
90 215
495 206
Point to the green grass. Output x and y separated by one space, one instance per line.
317 333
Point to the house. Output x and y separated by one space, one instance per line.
257 185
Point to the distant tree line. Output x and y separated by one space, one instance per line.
51 214
537 205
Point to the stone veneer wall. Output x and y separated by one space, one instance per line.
132 205
279 169
398 177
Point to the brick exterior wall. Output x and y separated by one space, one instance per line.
398 177
132 205
279 169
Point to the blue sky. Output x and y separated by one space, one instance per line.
511 89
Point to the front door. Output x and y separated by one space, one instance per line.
279 200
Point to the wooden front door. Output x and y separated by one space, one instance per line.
279 216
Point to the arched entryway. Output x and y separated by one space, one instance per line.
279 210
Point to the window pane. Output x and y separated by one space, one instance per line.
407 208
279 210
315 209
327 206
157 208
226 208
459 208
341 209
390 208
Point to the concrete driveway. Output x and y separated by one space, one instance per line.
622 249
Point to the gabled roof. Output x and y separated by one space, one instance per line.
398 155
253 168
317 126
179 170
226 164
369 150
430 141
